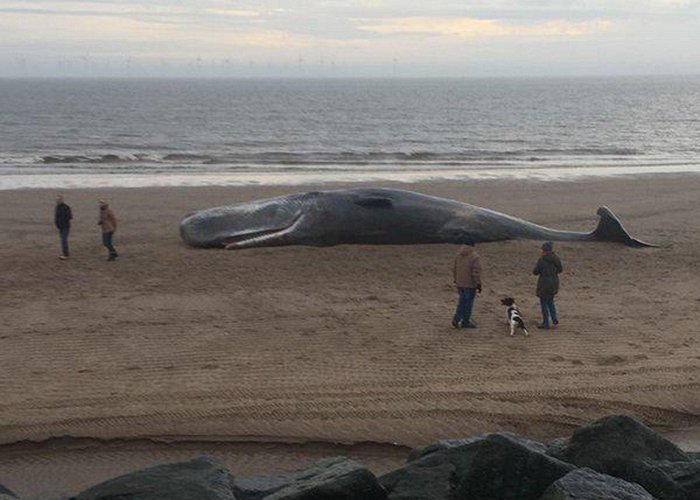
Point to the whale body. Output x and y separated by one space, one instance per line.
375 217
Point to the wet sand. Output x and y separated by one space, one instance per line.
261 352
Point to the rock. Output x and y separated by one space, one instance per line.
495 466
332 479
453 443
203 478
684 474
586 484
6 493
615 438
649 475
430 478
556 447
445 444
257 488
622 447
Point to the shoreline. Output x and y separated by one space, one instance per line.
9 182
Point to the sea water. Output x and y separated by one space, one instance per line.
140 132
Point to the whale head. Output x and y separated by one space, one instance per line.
244 225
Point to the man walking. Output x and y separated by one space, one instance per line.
467 277
62 218
109 224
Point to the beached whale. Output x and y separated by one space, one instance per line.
372 216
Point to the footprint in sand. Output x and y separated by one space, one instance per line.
611 360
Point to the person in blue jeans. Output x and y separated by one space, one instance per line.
62 218
466 273
547 270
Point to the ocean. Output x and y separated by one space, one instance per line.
86 133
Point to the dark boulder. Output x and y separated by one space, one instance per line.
495 466
429 478
445 444
684 474
453 443
615 438
556 447
259 487
331 479
6 493
203 478
586 484
622 447
654 479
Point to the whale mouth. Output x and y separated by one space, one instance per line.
253 238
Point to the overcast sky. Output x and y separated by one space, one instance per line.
348 38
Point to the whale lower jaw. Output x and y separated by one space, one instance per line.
264 237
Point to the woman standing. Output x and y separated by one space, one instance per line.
547 269
109 224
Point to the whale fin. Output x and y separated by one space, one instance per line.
374 202
611 229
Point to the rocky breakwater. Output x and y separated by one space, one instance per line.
615 457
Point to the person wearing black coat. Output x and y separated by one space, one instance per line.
62 218
547 270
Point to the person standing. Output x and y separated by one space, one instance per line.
547 269
62 218
109 225
467 276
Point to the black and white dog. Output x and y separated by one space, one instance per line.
515 318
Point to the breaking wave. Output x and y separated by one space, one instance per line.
320 158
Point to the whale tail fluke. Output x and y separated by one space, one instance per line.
611 229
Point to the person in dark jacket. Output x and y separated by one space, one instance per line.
547 269
62 218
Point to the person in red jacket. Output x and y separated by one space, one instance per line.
466 273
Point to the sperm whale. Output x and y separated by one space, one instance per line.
373 216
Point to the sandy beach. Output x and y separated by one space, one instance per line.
272 356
